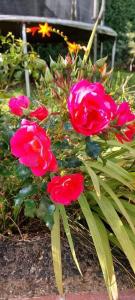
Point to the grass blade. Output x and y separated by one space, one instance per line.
108 171
119 170
124 145
68 234
118 228
56 251
119 204
101 243
94 179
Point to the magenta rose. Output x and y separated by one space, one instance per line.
66 189
39 113
124 114
18 104
125 122
31 145
90 108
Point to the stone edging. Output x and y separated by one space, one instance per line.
124 295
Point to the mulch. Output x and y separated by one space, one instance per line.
26 269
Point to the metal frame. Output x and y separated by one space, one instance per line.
96 9
101 29
25 50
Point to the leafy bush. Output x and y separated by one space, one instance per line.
120 16
13 62
66 150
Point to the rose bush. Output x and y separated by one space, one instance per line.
74 157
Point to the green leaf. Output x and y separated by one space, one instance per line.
45 212
119 204
118 228
68 234
113 240
124 145
107 170
119 170
94 178
30 208
28 190
130 234
18 201
90 42
101 243
92 148
129 206
100 62
56 251
4 171
22 171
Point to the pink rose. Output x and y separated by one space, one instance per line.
124 114
126 136
31 145
126 120
66 189
18 104
91 109
39 113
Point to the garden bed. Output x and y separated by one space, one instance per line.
26 268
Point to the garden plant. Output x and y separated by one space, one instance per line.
72 149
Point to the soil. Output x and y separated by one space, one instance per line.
26 268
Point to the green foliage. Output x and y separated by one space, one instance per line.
92 148
107 205
120 16
13 61
49 50
45 212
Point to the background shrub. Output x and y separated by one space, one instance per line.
120 15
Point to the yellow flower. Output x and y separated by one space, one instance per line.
73 47
45 30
